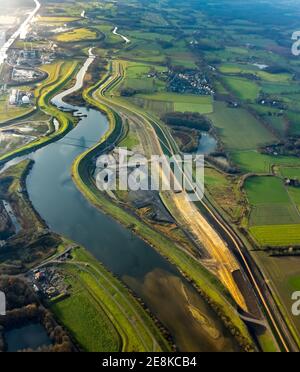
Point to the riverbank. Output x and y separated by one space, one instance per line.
99 302
66 72
209 287
32 242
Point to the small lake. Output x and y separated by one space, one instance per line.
29 337
208 144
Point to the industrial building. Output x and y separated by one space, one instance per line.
18 98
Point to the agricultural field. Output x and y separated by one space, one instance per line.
78 34
273 212
276 235
290 172
294 119
139 77
56 20
107 31
279 89
278 123
244 89
255 162
149 36
238 129
168 102
143 51
284 275
236 69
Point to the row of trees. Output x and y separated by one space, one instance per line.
192 120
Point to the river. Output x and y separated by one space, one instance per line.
115 32
192 323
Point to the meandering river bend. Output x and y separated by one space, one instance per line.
193 325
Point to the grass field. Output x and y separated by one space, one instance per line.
270 202
274 218
276 235
166 102
276 88
244 89
56 20
130 141
235 68
265 190
284 272
107 31
80 313
294 119
290 172
101 314
137 77
238 129
255 162
78 34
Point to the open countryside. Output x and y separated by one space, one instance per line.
135 270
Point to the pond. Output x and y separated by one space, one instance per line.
208 144
28 337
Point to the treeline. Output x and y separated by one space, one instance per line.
18 293
6 227
128 92
26 249
192 120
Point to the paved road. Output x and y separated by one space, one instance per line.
21 32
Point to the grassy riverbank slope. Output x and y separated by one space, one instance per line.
60 73
101 314
207 284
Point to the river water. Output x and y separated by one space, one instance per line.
193 325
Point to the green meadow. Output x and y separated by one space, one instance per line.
273 211
238 129
176 102
255 162
244 89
